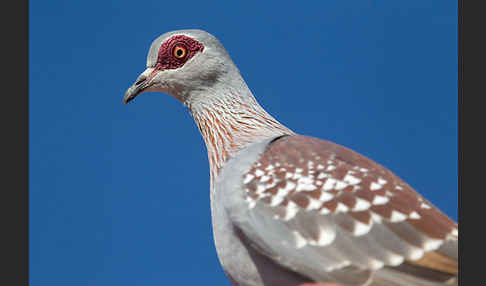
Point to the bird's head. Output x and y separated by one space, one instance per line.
180 62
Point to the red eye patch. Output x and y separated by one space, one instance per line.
167 58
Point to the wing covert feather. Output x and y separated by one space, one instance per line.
326 211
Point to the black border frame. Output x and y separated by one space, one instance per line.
14 116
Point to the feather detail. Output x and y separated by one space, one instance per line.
228 130
316 203
437 261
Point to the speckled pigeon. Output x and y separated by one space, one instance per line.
289 209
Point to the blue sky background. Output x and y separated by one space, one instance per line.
119 195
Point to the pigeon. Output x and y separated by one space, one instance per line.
289 209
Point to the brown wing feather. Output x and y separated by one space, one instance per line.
308 188
436 261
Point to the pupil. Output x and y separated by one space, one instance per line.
179 52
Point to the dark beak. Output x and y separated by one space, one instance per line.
136 88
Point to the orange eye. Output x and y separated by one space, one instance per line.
179 51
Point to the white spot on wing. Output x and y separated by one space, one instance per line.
425 206
288 187
291 210
305 184
265 178
322 175
351 179
325 196
269 168
361 205
314 204
376 264
455 232
259 173
251 202
397 216
382 181
326 236
396 259
271 185
260 189
324 211
329 184
416 253
300 241
276 200
414 215
248 178
296 176
432 244
361 228
340 185
376 217
380 200
330 168
341 207
375 186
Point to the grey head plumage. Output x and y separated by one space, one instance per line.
201 71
